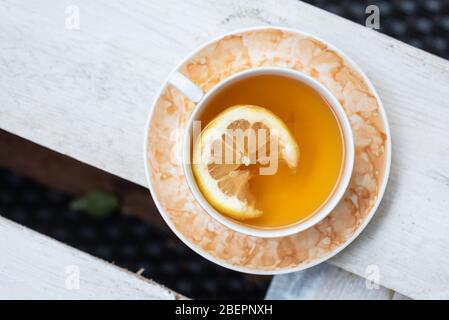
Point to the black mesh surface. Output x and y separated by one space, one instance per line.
420 23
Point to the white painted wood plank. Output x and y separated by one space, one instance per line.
33 266
86 94
327 282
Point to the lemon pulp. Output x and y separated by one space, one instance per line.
223 163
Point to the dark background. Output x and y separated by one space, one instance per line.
135 244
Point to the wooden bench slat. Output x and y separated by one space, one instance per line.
33 266
327 282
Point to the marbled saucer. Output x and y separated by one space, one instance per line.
234 52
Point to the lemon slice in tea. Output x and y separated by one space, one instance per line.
224 162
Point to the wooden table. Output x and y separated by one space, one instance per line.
86 93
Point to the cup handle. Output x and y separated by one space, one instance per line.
186 86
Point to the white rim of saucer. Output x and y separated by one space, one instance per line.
300 267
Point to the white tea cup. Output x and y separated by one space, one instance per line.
195 94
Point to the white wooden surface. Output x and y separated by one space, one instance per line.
327 282
33 266
86 94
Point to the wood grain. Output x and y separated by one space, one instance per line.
33 266
327 282
86 94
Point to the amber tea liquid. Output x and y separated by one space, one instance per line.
289 197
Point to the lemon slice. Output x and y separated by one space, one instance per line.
224 160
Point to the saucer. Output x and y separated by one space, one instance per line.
238 51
